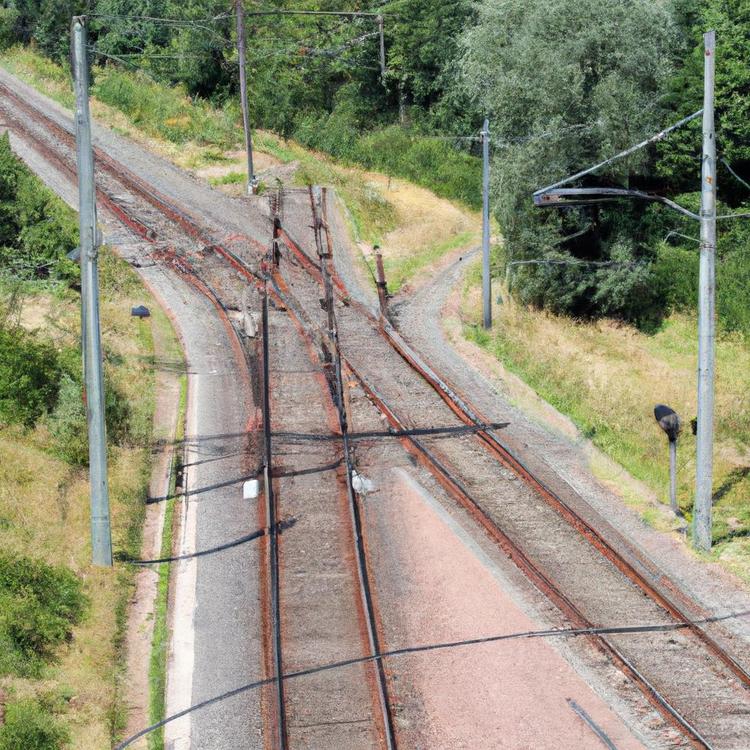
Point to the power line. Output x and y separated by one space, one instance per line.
529 634
628 152
734 174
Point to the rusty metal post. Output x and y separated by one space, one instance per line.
381 283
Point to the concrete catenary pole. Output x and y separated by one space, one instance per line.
101 540
702 510
486 280
240 11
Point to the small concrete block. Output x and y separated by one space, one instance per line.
251 489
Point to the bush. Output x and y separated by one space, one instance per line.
733 292
164 111
8 22
29 725
68 424
676 272
37 229
39 605
430 162
29 377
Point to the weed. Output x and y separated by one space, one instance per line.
39 604
30 725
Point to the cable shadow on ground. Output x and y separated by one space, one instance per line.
427 648
732 479
278 473
281 526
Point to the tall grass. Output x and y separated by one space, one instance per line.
166 111
607 377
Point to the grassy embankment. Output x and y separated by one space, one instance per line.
607 377
44 510
413 227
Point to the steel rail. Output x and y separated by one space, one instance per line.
489 439
448 394
193 229
468 414
273 535
365 583
456 490
120 173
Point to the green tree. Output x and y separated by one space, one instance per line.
37 229
568 83
680 162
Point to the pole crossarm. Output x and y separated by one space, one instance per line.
633 149
582 196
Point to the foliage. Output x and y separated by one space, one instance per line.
30 372
165 112
47 22
37 229
679 163
67 423
422 49
8 24
31 724
39 605
566 86
430 162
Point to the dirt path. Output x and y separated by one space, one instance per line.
141 615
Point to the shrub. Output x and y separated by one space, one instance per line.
37 229
733 292
166 111
29 377
39 604
29 725
68 424
676 274
8 22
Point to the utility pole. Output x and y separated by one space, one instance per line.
251 182
101 538
702 509
486 281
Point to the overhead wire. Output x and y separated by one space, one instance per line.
427 648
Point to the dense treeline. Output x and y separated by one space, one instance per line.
564 82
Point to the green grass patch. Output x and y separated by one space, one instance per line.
607 377
231 178
400 270
160 643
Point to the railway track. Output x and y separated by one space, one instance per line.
686 714
179 240
414 396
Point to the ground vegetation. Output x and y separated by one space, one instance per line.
61 620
